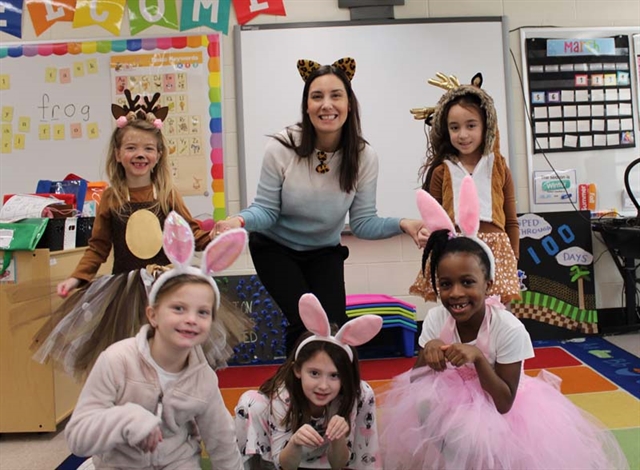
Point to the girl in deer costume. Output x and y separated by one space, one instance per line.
315 412
150 400
467 403
129 219
464 141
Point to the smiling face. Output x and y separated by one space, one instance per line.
328 107
181 318
138 155
466 130
463 286
320 381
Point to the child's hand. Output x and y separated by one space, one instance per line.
460 354
337 428
149 443
434 355
67 286
307 436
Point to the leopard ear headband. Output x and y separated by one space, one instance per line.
133 110
346 64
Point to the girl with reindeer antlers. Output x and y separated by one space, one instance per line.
129 219
150 400
315 412
463 140
467 404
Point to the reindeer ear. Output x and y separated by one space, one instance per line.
161 113
476 81
118 111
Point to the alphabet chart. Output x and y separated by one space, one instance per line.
177 77
55 110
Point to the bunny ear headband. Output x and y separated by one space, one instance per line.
179 246
346 64
353 333
134 110
467 215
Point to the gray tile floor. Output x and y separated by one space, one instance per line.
46 451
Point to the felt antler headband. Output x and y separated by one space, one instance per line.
448 83
179 246
467 215
346 64
134 110
353 333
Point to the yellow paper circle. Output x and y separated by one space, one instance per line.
144 234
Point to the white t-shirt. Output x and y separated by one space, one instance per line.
509 341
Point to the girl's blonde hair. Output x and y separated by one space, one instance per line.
160 174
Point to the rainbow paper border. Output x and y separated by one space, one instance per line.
212 44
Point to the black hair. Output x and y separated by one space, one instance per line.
440 244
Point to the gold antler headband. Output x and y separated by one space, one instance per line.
446 82
306 67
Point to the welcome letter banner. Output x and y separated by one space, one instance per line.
213 14
146 13
246 10
105 13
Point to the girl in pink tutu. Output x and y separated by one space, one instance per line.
315 412
467 403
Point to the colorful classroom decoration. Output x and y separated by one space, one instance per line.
143 16
106 14
198 13
556 271
45 13
11 17
64 125
109 14
246 10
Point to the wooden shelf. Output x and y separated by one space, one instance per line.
33 397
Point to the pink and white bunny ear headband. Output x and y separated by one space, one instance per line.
467 215
353 333
179 246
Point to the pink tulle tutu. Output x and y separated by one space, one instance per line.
445 420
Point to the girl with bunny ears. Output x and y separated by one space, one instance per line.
149 400
315 412
467 403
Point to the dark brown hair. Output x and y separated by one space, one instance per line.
351 140
299 411
440 147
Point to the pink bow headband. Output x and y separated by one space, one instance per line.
179 246
467 216
353 333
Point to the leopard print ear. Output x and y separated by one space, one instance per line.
306 68
348 66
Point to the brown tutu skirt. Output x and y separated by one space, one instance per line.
506 283
112 308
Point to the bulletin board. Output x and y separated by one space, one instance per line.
394 60
56 117
556 271
582 113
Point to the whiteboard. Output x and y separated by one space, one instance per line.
56 101
394 61
606 167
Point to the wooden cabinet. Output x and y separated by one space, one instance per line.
33 397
